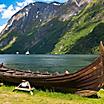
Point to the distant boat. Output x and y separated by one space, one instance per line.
27 53
17 53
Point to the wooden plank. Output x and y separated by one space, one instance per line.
86 93
23 89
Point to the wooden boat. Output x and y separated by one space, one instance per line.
89 78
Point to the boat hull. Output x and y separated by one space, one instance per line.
90 77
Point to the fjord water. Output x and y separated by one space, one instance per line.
51 63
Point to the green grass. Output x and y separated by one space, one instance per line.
7 96
69 40
9 44
85 33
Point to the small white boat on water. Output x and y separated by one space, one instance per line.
17 52
27 53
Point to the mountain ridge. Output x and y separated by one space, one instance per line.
43 27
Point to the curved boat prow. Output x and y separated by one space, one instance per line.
101 48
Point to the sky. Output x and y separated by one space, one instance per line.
9 7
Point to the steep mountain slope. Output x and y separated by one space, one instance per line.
36 28
85 32
39 26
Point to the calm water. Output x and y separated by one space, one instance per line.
49 63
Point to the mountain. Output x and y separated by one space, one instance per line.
85 32
46 27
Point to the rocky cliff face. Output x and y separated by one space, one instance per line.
33 13
38 26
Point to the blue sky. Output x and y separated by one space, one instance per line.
10 7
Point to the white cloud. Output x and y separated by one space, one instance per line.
7 13
26 2
48 0
2 27
2 6
11 10
55 0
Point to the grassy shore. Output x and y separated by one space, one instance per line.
7 96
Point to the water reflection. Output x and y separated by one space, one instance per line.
49 63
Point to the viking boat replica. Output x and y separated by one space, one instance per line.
88 79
